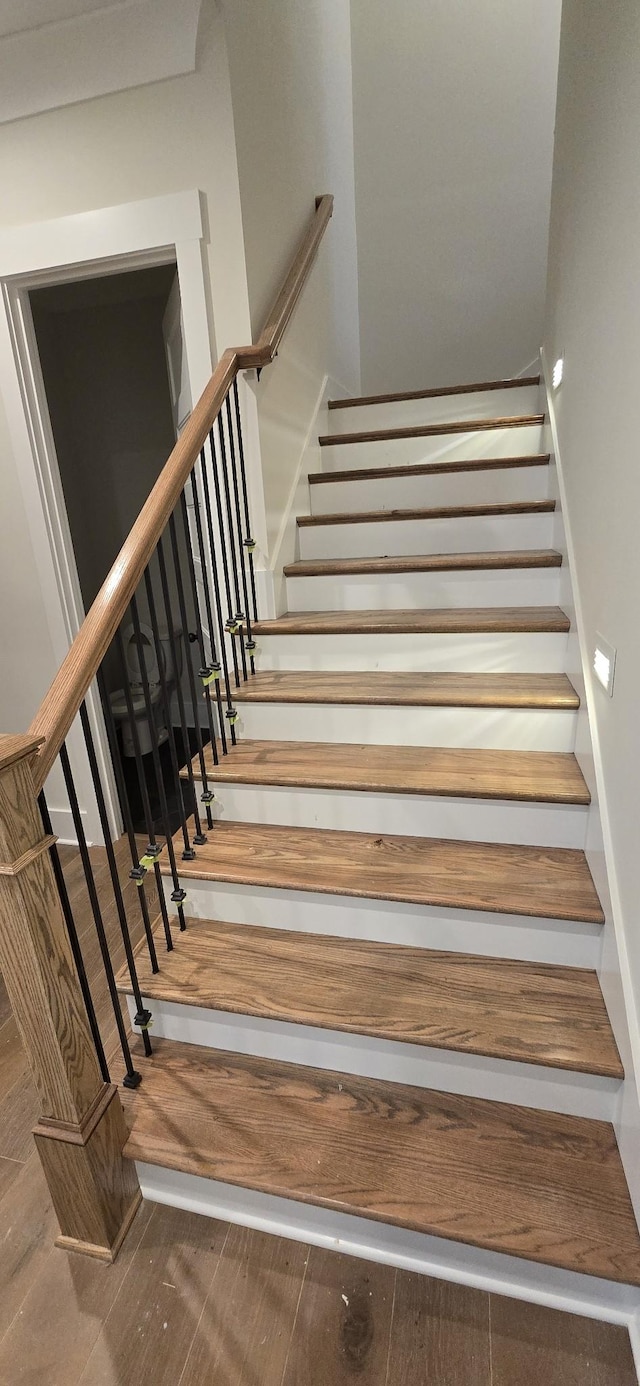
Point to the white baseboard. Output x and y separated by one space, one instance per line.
614 971
62 826
414 1251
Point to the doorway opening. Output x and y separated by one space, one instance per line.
113 373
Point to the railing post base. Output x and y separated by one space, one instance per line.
82 1130
94 1191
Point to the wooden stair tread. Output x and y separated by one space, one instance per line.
401 689
525 1012
440 512
510 384
542 882
544 776
440 620
473 464
433 430
425 563
539 1185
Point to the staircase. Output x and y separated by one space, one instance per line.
385 1004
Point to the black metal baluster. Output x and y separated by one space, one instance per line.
177 894
249 642
206 795
152 854
132 1077
231 713
249 543
74 941
143 1016
231 624
188 853
239 615
136 874
208 671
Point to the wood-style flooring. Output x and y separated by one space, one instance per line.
533 776
542 882
191 1302
522 1011
401 689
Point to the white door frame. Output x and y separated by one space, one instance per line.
107 241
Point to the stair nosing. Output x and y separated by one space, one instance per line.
156 987
435 897
488 561
439 512
435 430
173 1125
485 620
477 464
232 769
358 401
328 684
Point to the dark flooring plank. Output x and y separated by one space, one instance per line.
343 1324
27 1230
244 1334
439 1334
19 1111
513 382
530 1343
5 1008
13 1061
148 1333
51 1338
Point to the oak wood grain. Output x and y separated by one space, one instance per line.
441 620
424 563
525 1012
541 1185
439 512
401 689
343 1325
542 882
544 776
444 1327
54 717
355 400
434 430
473 464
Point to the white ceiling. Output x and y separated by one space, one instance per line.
18 15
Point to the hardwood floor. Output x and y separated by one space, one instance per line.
436 430
541 882
526 1012
456 620
474 464
190 1301
401 689
440 512
540 1185
536 776
425 563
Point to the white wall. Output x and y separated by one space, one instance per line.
453 134
593 318
161 138
290 65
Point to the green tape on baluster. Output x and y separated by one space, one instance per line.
147 862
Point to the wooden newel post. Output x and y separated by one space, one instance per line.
81 1132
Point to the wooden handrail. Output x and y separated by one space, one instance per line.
60 705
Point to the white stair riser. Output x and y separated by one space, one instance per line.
523 652
467 534
527 1085
398 452
481 404
491 487
508 729
418 591
469 820
381 1242
387 921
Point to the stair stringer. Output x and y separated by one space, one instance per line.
613 967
